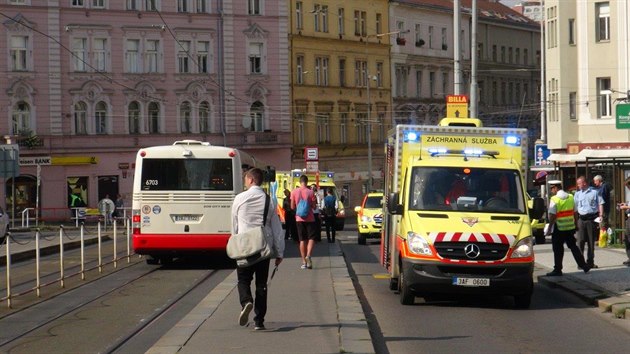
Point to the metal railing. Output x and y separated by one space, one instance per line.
26 220
100 263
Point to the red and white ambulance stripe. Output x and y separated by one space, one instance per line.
471 237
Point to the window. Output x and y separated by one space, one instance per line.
98 4
316 11
204 117
254 7
360 25
573 105
19 53
379 23
79 54
202 6
132 56
360 73
100 118
99 50
379 74
572 31
77 3
604 98
525 57
418 35
182 6
151 5
80 118
401 81
381 127
203 48
21 118
444 39
134 117
154 118
342 73
418 83
152 55
494 53
361 128
343 127
132 5
299 15
325 18
255 58
517 55
323 128
602 21
185 117
503 54
321 71
341 17
257 112
299 75
300 129
510 58
183 61
430 36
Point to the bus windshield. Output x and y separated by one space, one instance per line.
466 189
187 174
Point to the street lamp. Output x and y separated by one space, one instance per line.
369 104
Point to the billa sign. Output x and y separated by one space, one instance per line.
456 106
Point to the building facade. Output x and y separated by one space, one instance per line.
340 88
86 83
508 57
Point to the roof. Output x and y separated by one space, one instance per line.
489 10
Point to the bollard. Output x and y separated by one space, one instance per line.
82 252
8 242
127 227
100 257
37 264
61 275
115 249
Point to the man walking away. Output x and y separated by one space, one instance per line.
330 214
248 209
305 222
562 222
589 205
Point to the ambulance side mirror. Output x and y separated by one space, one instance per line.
538 209
392 204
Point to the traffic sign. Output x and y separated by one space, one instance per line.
623 116
312 166
541 154
311 153
457 106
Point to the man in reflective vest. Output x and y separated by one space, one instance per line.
562 228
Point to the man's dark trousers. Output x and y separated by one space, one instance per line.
245 277
587 231
558 239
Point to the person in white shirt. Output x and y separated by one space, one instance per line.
247 213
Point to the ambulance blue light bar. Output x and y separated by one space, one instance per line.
330 174
411 137
513 140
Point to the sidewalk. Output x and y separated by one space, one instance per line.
605 286
309 311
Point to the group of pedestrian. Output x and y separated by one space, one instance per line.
325 210
583 213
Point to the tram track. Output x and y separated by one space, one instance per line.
81 312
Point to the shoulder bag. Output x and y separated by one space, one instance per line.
251 246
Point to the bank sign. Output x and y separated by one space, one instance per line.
33 161
623 116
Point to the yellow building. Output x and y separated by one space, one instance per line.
337 48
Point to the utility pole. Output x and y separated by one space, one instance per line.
457 71
474 88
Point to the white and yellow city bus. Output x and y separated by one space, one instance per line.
182 197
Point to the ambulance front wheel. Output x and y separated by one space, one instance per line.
407 297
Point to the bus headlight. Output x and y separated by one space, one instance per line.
418 245
524 248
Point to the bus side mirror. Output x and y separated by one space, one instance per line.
538 209
392 204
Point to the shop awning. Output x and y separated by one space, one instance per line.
565 158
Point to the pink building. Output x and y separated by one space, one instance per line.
85 83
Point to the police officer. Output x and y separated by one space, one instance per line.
562 228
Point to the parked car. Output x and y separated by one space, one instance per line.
4 224
370 216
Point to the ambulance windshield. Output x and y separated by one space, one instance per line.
466 189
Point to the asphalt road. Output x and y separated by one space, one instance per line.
557 322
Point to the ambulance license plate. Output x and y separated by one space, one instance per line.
459 281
